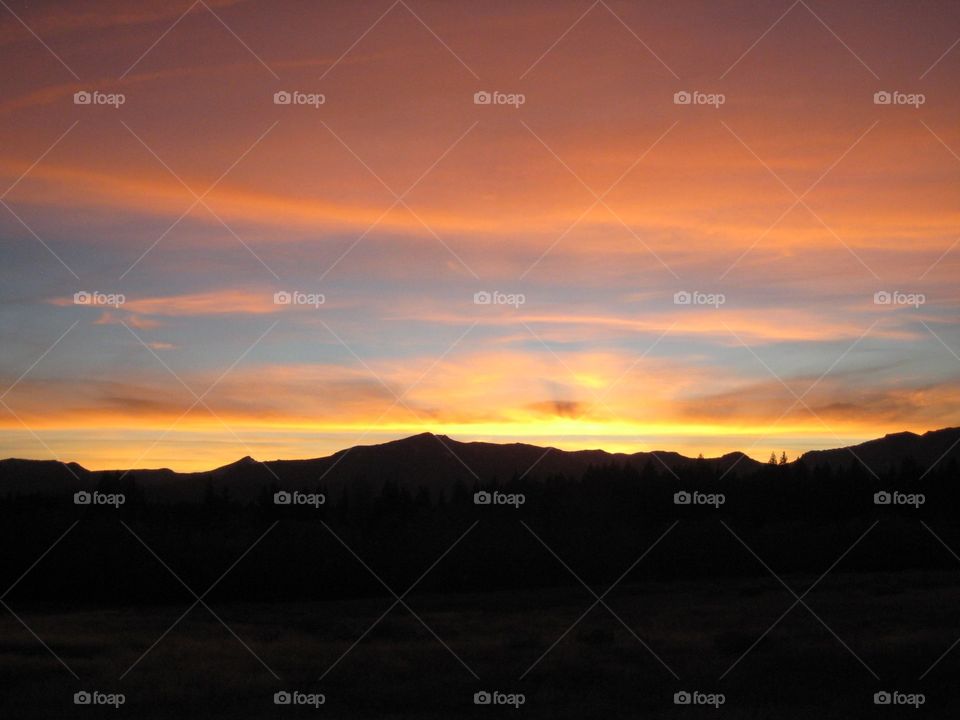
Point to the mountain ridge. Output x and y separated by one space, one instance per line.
435 462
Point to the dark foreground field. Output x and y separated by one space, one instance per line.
894 625
791 591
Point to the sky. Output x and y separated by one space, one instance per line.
514 270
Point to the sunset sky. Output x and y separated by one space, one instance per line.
399 198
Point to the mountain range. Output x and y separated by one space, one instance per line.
436 462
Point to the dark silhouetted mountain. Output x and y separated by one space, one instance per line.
890 452
437 463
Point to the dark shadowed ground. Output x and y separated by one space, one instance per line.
897 625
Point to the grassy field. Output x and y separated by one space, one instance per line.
897 624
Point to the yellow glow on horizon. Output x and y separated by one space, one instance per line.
205 443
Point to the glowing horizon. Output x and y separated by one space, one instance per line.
202 272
